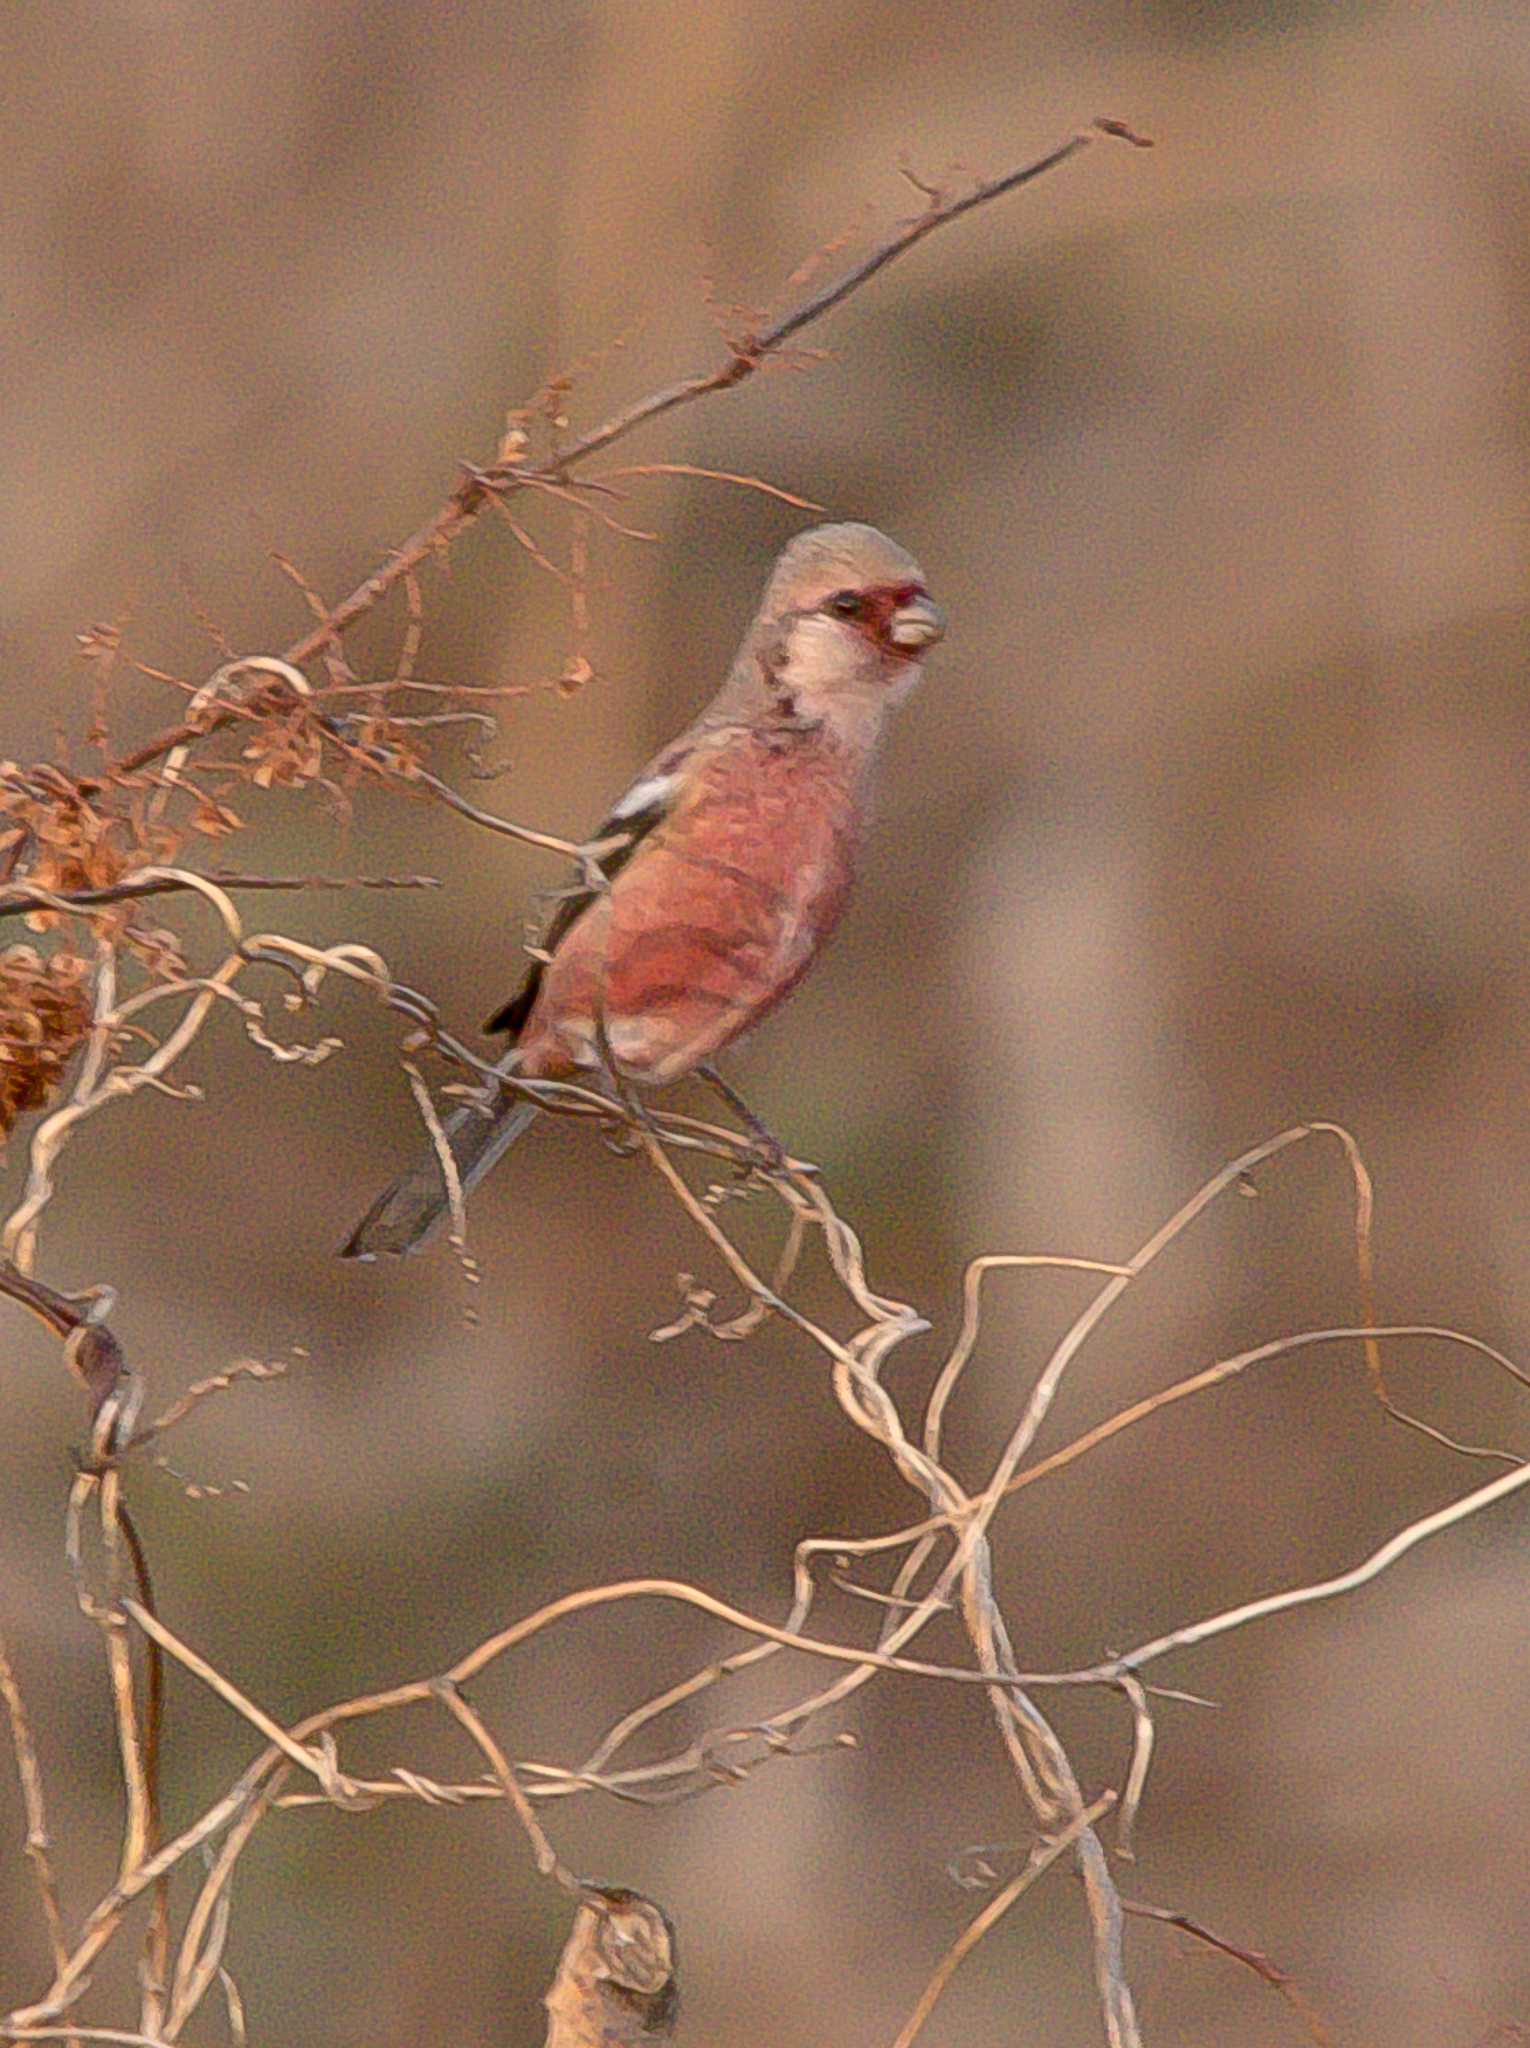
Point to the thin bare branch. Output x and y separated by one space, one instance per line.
477 489
1380 1560
717 476
548 1865
1042 1859
1279 1981
39 1847
21 897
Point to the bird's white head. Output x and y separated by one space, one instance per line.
844 625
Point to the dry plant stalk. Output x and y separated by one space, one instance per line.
110 1010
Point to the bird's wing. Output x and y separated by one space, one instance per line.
649 801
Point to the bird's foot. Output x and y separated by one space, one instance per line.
766 1155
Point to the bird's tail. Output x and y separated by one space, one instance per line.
405 1215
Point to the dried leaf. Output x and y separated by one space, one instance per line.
214 819
44 1013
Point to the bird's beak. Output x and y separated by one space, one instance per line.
916 625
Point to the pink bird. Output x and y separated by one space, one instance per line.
735 852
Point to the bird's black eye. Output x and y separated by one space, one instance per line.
846 604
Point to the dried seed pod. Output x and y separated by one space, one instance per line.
44 1013
615 1986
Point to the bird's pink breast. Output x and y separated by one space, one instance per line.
716 918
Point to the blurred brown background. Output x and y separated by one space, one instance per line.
1212 816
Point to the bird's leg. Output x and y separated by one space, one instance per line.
621 1141
774 1157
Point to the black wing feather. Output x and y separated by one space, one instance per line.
636 826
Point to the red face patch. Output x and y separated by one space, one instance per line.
878 605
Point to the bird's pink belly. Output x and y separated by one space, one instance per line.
688 949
